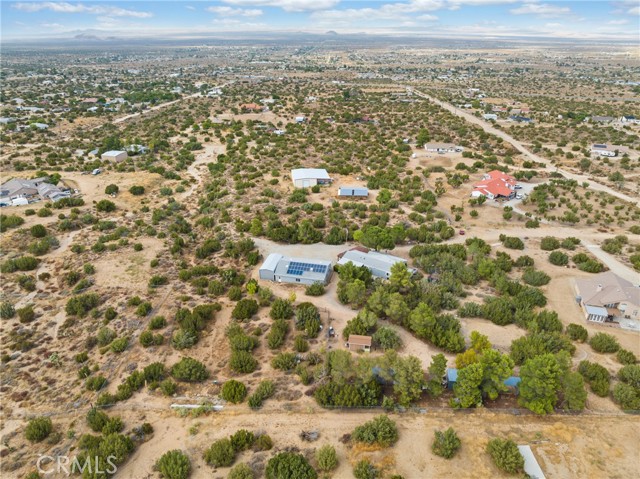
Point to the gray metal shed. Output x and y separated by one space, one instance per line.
356 191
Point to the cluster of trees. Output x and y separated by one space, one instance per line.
191 323
223 452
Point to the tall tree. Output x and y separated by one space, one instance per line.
408 379
467 388
437 369
496 367
400 279
540 383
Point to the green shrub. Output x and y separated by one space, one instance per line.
81 304
627 396
506 455
96 383
119 345
26 314
300 344
242 440
105 206
535 278
111 189
38 231
263 443
38 429
23 263
445 444
577 332
174 465
233 391
189 370
7 311
244 309
315 289
597 376
264 391
96 419
284 361
365 470
626 357
136 190
154 372
220 454
558 258
327 458
168 387
110 314
604 343
242 362
147 339
105 336
10 221
511 242
380 430
241 471
277 333
549 243
289 465
144 309
281 309
158 322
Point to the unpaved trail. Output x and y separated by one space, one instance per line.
594 185
208 155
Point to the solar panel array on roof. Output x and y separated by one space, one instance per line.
297 268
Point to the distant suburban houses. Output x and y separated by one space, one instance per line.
495 184
378 263
283 269
307 177
442 148
607 296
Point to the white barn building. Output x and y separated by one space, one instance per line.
307 177
115 155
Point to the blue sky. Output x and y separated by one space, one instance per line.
588 19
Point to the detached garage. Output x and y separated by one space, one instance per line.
283 269
353 191
114 155
307 177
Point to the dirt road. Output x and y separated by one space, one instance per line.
522 149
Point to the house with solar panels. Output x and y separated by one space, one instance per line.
283 269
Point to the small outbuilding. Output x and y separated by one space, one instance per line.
359 343
283 269
353 191
307 177
115 155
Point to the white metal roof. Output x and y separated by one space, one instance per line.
113 152
531 466
310 173
271 263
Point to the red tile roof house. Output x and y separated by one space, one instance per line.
495 184
251 107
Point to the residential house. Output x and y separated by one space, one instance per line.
629 119
379 264
283 269
495 184
442 148
114 155
602 119
307 177
251 107
520 119
602 150
20 188
606 296
357 343
50 192
490 116
300 119
137 149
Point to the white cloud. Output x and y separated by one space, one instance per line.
618 22
53 26
235 12
288 5
427 18
190 7
541 9
64 7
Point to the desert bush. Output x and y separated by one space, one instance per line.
284 361
38 231
119 345
23 263
7 311
157 322
626 357
38 429
380 430
263 442
577 332
365 470
26 314
244 309
174 465
277 333
105 206
264 391
96 383
168 387
535 278
105 336
220 453
511 242
506 455
281 309
233 391
445 444
241 440
111 189
289 465
81 304
604 343
137 190
241 471
558 258
549 243
597 376
242 362
10 221
327 458
189 370
315 289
